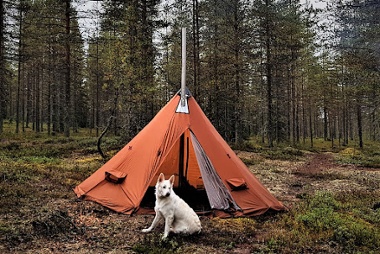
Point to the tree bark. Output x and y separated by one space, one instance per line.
196 59
269 79
360 126
19 60
67 109
2 65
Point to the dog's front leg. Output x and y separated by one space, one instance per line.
168 223
156 219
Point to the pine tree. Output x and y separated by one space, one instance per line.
3 72
358 40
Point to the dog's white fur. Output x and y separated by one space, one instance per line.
179 216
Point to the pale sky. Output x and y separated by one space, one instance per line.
316 3
87 24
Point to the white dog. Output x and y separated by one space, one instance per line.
179 216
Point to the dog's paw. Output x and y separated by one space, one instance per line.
146 230
165 236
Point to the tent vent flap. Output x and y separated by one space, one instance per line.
115 176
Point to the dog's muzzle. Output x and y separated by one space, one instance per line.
167 194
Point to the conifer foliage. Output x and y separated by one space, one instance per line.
279 70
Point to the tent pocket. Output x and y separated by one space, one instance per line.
115 176
237 184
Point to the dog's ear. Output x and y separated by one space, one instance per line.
161 178
171 179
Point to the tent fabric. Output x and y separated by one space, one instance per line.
237 183
188 146
115 176
218 195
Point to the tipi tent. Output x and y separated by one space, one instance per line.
180 140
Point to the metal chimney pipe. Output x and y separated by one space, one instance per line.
183 74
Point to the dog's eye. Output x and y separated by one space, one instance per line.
164 187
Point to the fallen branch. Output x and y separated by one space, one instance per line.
101 136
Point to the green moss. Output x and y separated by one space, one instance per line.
324 213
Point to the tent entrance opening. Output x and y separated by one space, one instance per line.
181 162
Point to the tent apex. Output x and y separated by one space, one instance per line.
187 92
183 106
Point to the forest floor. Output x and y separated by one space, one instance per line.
332 207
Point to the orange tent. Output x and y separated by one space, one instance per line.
179 140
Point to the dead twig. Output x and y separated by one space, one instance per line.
101 136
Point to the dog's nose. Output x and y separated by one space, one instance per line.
167 194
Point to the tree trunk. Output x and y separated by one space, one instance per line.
2 65
269 79
67 108
196 59
325 124
19 65
344 118
311 126
37 100
96 106
360 130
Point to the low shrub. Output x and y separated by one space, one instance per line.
153 244
324 213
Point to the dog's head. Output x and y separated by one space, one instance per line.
164 187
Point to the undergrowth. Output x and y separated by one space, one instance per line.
223 234
368 156
343 222
38 171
